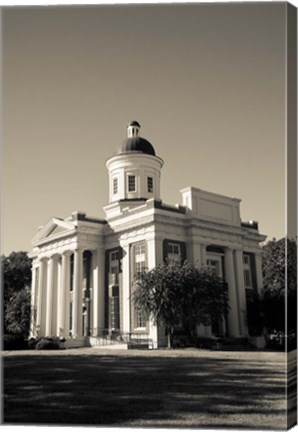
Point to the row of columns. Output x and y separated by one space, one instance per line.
197 253
233 262
154 257
51 294
51 287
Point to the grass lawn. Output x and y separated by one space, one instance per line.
162 388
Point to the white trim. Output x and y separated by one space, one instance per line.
50 226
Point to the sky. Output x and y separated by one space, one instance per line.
205 81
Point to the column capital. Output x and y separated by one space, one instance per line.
54 257
79 250
66 253
192 240
100 248
35 263
43 259
125 245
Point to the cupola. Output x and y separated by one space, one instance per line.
133 129
134 171
134 142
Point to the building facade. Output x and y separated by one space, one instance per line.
83 268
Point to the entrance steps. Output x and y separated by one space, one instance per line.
119 346
119 342
106 342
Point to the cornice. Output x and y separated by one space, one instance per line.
56 237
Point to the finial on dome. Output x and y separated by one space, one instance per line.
133 129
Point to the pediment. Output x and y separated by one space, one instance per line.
52 228
56 230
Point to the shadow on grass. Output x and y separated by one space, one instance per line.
144 391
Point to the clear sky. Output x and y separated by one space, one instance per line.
205 81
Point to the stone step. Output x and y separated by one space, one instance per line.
114 346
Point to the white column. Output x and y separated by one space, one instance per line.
238 259
68 298
158 251
33 300
41 299
98 292
203 255
154 258
193 253
233 319
51 286
63 290
154 253
57 282
77 294
203 262
199 254
259 272
126 293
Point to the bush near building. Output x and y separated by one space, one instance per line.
279 296
178 294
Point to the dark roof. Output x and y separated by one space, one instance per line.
251 225
134 123
83 217
160 205
137 144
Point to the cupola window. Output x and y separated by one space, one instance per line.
150 184
131 183
115 186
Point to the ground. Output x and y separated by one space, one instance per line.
160 388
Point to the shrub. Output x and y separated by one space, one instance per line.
14 342
17 313
205 342
234 343
47 344
32 342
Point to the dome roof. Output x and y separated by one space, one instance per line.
137 144
134 123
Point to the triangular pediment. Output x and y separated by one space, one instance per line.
54 227
56 230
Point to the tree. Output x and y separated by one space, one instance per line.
176 292
18 312
16 273
280 284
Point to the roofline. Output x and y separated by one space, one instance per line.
133 154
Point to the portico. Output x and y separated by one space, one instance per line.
65 278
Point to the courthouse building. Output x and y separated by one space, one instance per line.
84 267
